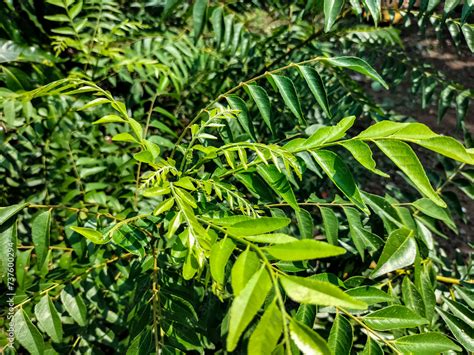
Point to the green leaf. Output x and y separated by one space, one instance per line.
27 334
130 239
124 137
279 183
330 223
468 32
362 238
74 305
405 158
340 175
357 65
246 305
448 147
236 103
411 297
393 317
316 85
220 254
374 9
265 336
425 344
48 318
306 314
244 268
305 249
95 102
461 331
310 291
288 93
399 252
466 294
305 223
363 154
260 96
430 209
109 119
94 236
450 5
332 8
461 311
217 20
141 344
8 212
340 337
328 134
372 348
40 236
163 206
199 18
258 226
424 277
307 340
273 238
369 295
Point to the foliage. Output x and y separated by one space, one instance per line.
171 185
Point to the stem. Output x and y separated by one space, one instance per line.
370 331
75 209
137 182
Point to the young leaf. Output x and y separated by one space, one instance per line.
341 335
393 317
220 254
399 252
246 305
305 249
328 134
8 212
288 93
310 291
316 85
307 340
279 183
358 65
260 96
49 319
338 172
425 344
40 236
94 236
332 8
27 334
265 336
199 17
238 104
330 223
258 226
74 305
405 158
362 153
273 238
244 268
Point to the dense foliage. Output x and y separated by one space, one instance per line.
203 176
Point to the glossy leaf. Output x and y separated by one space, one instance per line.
461 331
49 319
330 223
307 340
369 295
399 252
260 96
279 183
265 336
199 17
94 236
332 8
288 93
310 291
220 254
8 212
305 249
393 317
74 305
316 85
258 226
338 172
238 104
246 305
40 235
244 268
341 335
27 334
425 343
